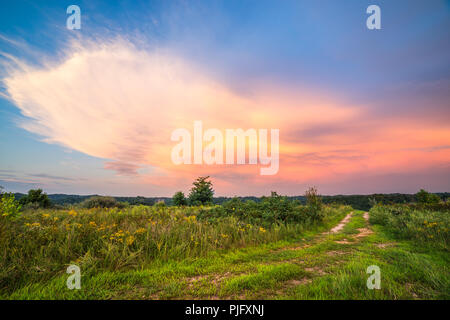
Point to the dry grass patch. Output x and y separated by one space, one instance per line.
316 270
385 245
363 232
343 241
335 253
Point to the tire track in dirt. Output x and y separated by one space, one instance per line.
341 224
364 232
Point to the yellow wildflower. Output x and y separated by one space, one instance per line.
73 213
140 230
130 240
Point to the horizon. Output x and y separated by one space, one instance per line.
238 196
355 111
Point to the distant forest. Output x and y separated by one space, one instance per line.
361 202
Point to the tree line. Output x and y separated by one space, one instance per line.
202 193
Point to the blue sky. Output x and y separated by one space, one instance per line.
399 74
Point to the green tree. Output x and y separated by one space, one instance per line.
36 197
425 197
202 192
179 199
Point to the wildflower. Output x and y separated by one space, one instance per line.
130 240
55 219
119 234
35 224
140 230
261 229
92 224
45 215
73 213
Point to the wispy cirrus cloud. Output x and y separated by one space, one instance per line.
51 177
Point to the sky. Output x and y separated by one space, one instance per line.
92 110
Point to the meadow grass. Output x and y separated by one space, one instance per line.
40 244
307 264
426 226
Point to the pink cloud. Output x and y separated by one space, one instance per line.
115 101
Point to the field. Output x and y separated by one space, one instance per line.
276 250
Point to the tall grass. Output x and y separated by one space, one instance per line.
40 244
428 226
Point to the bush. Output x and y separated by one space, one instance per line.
314 203
101 202
404 221
440 206
424 197
9 207
275 209
160 204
